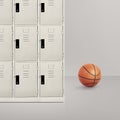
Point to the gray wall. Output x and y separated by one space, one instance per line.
93 35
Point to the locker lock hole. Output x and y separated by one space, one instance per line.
17 44
42 43
42 7
17 7
42 79
17 80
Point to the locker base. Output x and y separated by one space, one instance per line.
33 100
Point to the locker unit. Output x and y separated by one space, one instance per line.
25 79
6 79
51 12
50 79
25 12
5 42
25 43
6 12
50 43
31 50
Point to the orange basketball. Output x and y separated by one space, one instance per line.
89 75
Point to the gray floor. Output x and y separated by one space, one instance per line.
81 103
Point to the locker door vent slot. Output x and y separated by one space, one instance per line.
42 43
17 7
51 2
42 7
17 80
42 79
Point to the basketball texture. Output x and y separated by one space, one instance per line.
89 75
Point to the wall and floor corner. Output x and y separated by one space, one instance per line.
31 50
93 35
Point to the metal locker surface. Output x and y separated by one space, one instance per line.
6 12
5 42
25 79
25 12
25 43
51 12
32 50
6 79
52 38
51 79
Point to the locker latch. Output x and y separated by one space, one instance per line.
42 43
17 44
17 80
17 7
42 7
42 79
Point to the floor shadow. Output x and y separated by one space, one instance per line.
86 88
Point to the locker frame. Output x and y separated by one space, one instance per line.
38 99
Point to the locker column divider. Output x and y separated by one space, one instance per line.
63 45
38 18
13 26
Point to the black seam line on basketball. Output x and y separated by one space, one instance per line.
87 78
95 74
90 72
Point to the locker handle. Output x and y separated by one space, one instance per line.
42 79
17 80
17 7
42 7
42 43
17 44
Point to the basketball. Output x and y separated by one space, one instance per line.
89 75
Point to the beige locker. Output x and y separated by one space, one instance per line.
51 44
6 42
25 79
6 13
51 79
25 43
25 12
6 79
51 12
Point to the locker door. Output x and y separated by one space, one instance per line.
51 79
25 43
25 11
51 12
5 43
6 79
5 11
25 79
50 43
